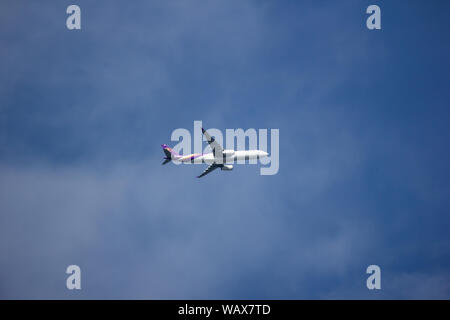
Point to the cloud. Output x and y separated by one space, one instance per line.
83 114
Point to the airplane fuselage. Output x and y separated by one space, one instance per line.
229 156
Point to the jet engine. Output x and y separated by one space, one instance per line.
227 167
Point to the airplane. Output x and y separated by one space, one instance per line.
218 158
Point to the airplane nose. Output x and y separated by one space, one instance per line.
264 154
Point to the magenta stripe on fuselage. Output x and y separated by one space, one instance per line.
190 156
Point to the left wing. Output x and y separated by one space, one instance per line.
211 168
216 148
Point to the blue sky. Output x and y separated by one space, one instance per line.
364 175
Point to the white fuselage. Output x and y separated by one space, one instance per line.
229 156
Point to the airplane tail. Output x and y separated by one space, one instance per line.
170 154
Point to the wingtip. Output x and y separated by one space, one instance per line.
203 130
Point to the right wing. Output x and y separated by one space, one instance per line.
211 168
216 148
